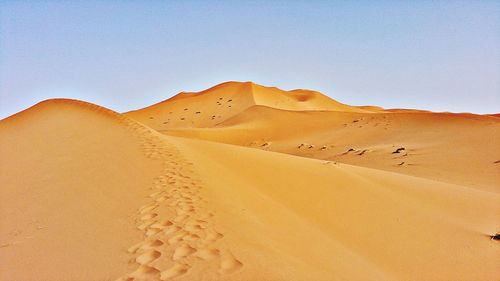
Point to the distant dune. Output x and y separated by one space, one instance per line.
246 182
456 148
210 107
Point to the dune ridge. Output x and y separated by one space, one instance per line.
221 102
62 210
174 224
459 148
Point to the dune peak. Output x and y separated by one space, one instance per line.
229 99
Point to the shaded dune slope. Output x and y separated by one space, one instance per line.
456 148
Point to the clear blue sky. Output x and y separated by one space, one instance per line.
437 55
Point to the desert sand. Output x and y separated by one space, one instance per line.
246 182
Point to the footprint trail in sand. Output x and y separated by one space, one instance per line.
179 232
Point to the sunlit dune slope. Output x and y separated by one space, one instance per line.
71 178
457 148
210 107
316 220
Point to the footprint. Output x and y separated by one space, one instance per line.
135 247
193 227
145 272
148 208
146 224
182 252
147 245
148 257
185 210
171 229
229 264
161 225
191 237
177 238
207 254
152 231
213 235
149 216
176 270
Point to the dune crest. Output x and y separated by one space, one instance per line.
452 147
221 102
173 223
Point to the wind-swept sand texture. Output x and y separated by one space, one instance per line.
91 194
455 148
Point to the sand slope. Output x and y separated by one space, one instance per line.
211 107
93 195
457 148
71 178
317 220
90 194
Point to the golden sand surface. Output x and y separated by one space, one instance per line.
246 182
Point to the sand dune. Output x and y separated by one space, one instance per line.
72 177
91 194
456 148
340 206
219 103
